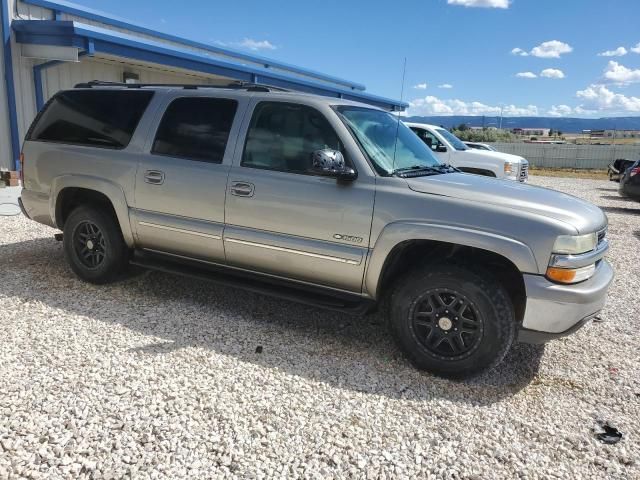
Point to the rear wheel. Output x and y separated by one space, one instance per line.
452 321
94 246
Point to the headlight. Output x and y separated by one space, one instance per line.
510 169
575 244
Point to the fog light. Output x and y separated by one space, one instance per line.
570 275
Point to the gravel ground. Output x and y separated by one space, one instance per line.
160 377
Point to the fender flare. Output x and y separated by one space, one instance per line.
398 232
111 190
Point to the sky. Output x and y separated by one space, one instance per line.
568 58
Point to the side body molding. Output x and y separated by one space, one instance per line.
396 233
111 190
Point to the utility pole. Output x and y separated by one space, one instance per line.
501 110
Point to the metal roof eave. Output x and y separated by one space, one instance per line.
101 40
108 19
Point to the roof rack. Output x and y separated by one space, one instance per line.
250 87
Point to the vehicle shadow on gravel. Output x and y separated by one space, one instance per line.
348 352
622 210
616 197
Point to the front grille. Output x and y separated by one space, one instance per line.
601 235
524 172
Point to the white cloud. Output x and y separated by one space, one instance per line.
547 72
618 52
431 105
252 44
551 49
599 98
420 86
520 52
445 85
617 73
527 111
579 110
249 43
560 111
481 3
552 73
636 49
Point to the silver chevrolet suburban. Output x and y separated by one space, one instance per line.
315 199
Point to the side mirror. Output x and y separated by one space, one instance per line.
441 149
331 163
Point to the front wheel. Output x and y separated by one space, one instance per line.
93 245
451 321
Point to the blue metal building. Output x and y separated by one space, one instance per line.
52 45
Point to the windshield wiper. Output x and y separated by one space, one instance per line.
417 170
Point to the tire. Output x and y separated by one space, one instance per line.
93 245
468 331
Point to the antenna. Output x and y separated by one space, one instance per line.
395 146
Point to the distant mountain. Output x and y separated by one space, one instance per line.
565 125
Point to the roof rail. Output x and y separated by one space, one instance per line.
250 87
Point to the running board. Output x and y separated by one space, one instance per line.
256 283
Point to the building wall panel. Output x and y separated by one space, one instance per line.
23 11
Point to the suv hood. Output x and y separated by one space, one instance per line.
505 157
582 215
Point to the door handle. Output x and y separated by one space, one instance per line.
154 177
242 189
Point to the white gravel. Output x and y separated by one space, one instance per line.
158 377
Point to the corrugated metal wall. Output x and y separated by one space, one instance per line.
569 155
23 80
68 74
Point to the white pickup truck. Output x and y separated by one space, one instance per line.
450 149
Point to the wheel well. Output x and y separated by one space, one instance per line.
478 171
420 253
71 197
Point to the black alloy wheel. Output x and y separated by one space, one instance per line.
447 323
89 244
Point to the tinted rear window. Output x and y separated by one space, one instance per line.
96 118
196 128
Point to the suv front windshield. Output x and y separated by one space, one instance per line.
390 145
452 139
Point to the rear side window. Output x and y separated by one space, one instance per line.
196 128
97 118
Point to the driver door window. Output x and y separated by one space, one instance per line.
283 136
428 138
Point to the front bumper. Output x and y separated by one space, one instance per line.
631 190
555 310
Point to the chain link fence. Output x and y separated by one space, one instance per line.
569 155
